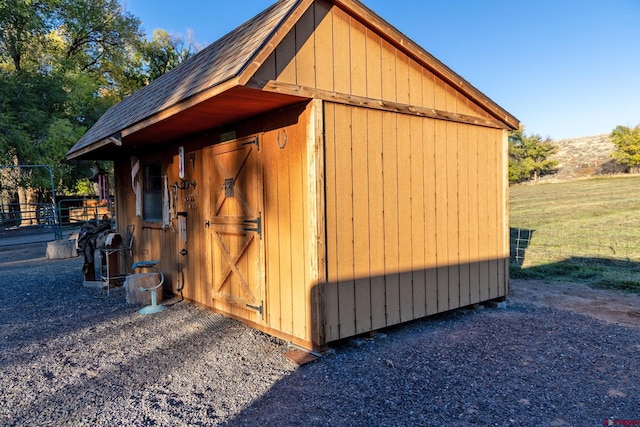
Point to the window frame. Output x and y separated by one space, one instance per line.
152 191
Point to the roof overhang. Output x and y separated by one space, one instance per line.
187 119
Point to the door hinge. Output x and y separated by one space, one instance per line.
259 309
257 225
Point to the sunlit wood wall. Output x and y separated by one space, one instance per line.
334 53
290 161
416 218
415 206
384 197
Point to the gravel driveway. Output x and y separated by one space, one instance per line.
74 356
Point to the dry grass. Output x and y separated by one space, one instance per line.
584 157
585 230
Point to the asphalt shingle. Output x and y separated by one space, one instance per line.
215 64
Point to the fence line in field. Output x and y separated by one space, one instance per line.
613 242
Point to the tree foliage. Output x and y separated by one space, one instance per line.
627 142
153 58
24 25
164 52
63 63
529 156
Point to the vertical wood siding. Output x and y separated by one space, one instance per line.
292 212
290 275
192 268
329 50
415 218
151 241
410 212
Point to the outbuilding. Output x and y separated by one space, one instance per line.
314 174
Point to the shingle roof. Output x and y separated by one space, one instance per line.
222 60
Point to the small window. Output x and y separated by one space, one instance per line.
152 192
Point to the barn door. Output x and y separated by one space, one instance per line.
236 226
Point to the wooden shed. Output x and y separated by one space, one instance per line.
315 174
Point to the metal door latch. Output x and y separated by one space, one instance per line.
229 184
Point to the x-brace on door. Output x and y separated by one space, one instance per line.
236 225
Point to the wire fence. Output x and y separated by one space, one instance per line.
536 247
586 230
609 254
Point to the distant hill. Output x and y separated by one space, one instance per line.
584 157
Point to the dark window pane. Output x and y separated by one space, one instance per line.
152 192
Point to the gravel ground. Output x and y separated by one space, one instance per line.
72 355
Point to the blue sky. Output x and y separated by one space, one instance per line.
565 68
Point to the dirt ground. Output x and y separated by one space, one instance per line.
86 358
611 306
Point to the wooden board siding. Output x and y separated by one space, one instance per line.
291 215
406 261
464 217
333 52
191 268
284 227
430 218
290 143
404 222
483 215
474 197
330 293
125 215
441 217
378 174
390 212
151 240
374 184
418 225
344 225
125 202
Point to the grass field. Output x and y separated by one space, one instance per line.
585 231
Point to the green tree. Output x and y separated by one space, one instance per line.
23 28
63 63
529 156
153 58
627 142
97 37
56 62
164 52
60 63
